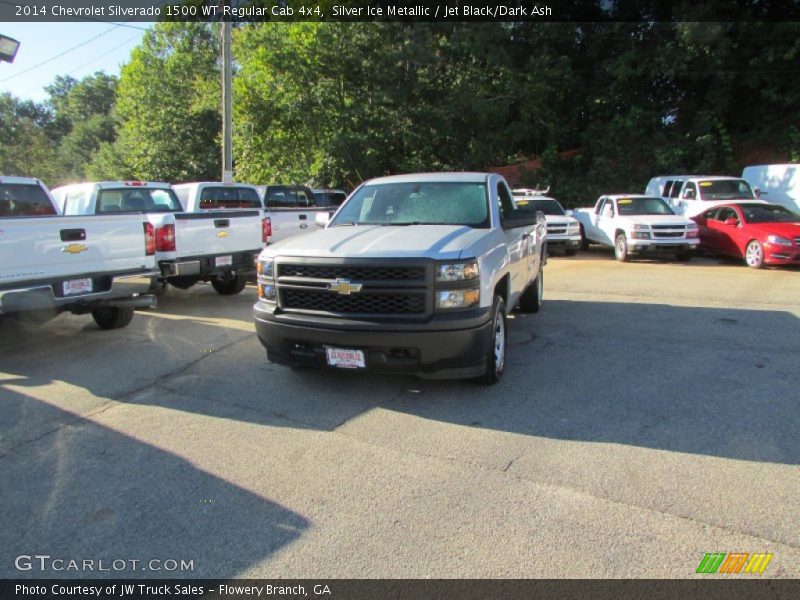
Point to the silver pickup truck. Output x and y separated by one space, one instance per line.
414 274
103 265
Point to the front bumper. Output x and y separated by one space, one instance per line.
776 254
111 290
563 241
433 350
656 246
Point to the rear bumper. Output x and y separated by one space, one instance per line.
429 351
206 266
113 290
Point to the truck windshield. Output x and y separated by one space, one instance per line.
643 206
137 199
24 200
547 205
417 203
229 197
768 213
725 189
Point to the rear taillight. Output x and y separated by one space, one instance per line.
266 229
149 239
165 238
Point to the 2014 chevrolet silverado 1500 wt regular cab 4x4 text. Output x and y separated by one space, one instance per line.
218 246
414 274
102 265
635 224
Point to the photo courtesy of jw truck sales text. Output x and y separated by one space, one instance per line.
397 299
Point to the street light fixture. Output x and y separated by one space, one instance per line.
8 48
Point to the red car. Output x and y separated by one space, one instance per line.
762 234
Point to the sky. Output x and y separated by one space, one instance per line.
42 41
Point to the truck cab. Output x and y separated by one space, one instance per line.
690 195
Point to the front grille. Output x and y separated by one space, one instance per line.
556 230
352 273
362 302
669 231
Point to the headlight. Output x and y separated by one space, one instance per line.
640 227
266 292
780 241
266 268
448 299
692 232
641 235
457 271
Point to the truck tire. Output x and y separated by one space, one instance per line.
531 299
621 248
229 287
754 254
496 358
584 240
113 317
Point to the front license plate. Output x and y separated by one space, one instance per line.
77 286
223 261
343 358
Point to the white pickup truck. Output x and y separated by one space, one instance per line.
414 274
217 246
636 224
563 231
690 195
102 265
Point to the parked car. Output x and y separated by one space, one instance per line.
563 232
218 246
415 274
636 224
689 195
778 184
761 234
103 265
330 198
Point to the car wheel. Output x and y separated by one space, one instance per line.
754 255
113 317
621 248
531 299
496 358
229 287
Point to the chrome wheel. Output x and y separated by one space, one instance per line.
621 248
754 255
499 342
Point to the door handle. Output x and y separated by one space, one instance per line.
303 217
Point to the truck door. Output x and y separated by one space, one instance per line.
521 246
604 221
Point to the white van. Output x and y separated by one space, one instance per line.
779 184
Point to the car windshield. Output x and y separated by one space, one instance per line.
417 203
725 189
547 205
643 206
768 213
137 199
24 200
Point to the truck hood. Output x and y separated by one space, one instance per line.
559 220
421 241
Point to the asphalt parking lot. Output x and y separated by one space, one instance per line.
648 415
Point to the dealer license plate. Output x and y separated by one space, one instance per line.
343 358
223 261
77 286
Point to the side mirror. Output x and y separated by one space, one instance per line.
568 212
520 218
322 219
540 215
757 192
732 222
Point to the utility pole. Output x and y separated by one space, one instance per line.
227 103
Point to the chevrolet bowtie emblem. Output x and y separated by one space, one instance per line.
223 234
74 248
344 287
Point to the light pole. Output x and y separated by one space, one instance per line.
227 104
8 48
